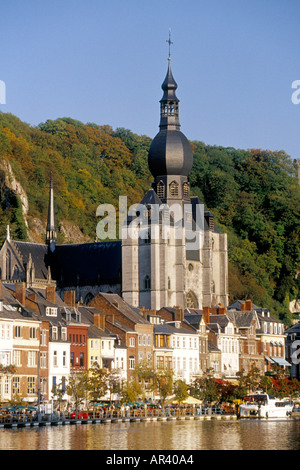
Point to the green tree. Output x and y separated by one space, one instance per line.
181 390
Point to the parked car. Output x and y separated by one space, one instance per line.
79 415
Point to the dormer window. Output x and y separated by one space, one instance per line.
51 311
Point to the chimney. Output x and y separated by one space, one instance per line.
249 305
178 314
69 298
221 311
243 307
20 293
32 296
206 314
50 294
99 321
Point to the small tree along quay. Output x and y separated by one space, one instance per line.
98 385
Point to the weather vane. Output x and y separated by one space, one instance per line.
170 42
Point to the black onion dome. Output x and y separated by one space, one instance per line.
170 153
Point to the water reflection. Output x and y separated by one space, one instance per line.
178 435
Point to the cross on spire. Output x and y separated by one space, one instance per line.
170 42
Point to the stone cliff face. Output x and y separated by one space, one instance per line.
36 227
10 183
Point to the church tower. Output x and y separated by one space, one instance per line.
160 267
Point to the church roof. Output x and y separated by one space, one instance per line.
87 263
38 252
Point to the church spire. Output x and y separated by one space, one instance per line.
169 104
170 156
51 236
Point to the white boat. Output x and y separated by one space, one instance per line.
261 405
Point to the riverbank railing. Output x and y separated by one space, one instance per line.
110 414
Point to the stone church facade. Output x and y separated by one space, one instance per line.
179 257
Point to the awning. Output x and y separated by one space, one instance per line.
280 361
268 359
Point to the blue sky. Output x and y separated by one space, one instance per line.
103 61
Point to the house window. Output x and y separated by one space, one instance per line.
31 385
31 359
43 360
132 342
174 188
32 333
54 333
17 357
131 362
54 358
43 337
17 332
16 385
81 359
64 334
51 312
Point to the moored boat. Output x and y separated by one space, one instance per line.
262 405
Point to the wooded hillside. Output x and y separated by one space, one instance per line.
253 194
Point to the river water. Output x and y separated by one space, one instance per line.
158 435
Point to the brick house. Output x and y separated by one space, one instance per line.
135 331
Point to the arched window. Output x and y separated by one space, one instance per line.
160 189
147 282
186 189
191 300
174 189
8 265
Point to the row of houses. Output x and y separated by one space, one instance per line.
44 338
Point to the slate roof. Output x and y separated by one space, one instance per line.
124 308
39 254
193 316
218 322
87 315
242 319
170 328
212 347
75 264
87 263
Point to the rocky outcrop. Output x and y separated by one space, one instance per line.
13 185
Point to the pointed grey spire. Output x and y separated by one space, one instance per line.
51 235
169 104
